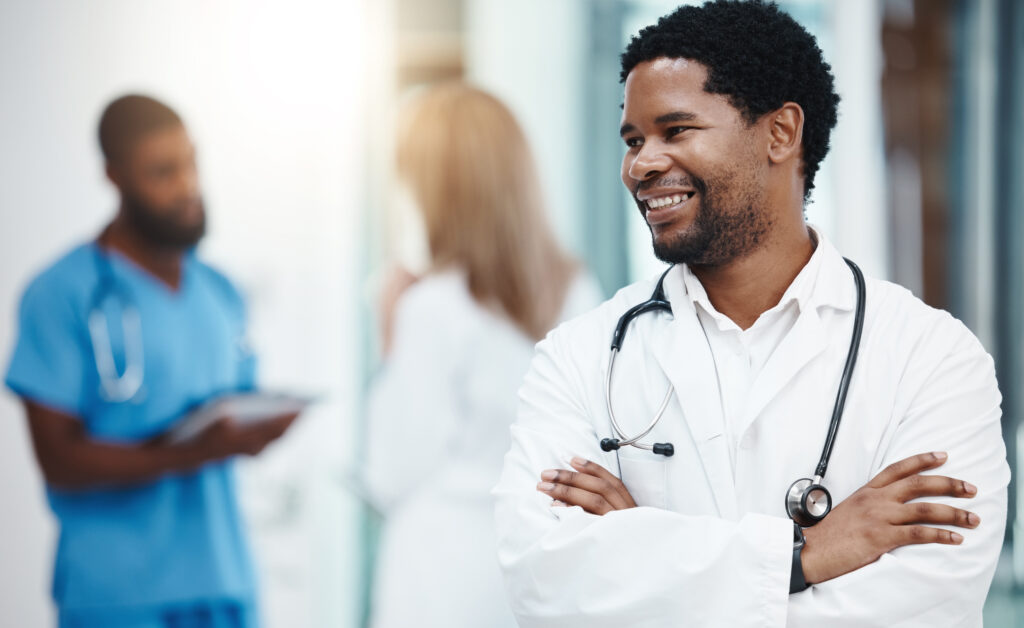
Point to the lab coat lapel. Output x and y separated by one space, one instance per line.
682 352
804 342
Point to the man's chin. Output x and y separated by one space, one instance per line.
679 249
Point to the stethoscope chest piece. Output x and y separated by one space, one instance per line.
808 502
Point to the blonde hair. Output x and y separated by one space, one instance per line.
468 165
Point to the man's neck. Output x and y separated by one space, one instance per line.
162 262
746 288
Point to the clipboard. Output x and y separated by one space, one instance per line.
242 407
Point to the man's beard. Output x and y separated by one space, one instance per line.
162 228
717 235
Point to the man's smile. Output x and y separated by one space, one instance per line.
665 208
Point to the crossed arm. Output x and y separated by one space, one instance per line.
885 556
874 520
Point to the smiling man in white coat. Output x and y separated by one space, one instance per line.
769 359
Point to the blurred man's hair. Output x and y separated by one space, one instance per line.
128 119
757 56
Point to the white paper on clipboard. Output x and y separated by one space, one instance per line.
244 408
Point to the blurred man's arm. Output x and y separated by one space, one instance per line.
71 459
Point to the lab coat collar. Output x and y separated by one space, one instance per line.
682 352
834 286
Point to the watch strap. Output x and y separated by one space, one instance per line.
797 582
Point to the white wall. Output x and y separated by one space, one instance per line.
270 92
530 53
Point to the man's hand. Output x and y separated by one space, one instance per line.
72 460
877 518
590 487
227 437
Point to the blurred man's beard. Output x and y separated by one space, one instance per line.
162 228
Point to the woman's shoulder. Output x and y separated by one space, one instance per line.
439 300
584 293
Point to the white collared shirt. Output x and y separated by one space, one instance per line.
741 354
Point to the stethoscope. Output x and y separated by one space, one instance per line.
807 500
115 387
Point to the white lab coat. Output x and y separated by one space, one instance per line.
710 545
438 426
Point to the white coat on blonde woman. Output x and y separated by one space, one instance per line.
439 417
457 345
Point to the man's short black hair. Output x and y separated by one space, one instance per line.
757 56
127 119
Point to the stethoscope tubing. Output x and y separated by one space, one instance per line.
848 368
611 412
659 302
115 387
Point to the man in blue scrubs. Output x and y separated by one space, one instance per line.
150 532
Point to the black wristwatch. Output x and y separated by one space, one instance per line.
796 575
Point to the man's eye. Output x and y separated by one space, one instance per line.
676 130
633 142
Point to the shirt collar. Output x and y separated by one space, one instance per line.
824 281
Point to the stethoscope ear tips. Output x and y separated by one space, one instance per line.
664 449
609 444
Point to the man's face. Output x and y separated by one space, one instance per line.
695 167
160 188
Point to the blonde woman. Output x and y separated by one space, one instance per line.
457 343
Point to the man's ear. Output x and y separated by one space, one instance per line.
113 175
786 132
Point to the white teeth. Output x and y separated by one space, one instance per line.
655 203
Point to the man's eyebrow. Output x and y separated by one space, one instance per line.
675 116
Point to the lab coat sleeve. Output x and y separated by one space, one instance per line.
637 567
412 408
952 404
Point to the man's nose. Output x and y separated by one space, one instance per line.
650 162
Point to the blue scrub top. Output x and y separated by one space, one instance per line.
174 541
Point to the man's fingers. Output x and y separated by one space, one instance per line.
589 483
908 467
572 496
592 468
917 535
925 512
932 486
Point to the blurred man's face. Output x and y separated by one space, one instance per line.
693 165
159 187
